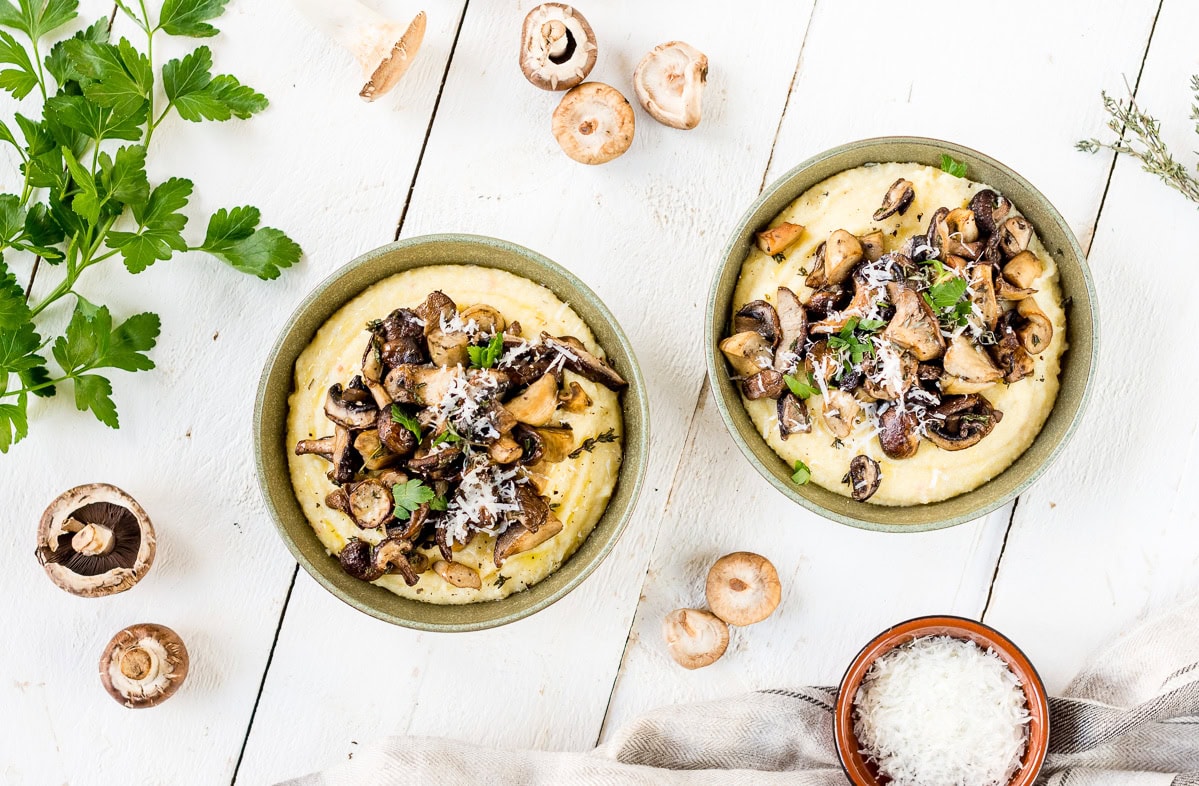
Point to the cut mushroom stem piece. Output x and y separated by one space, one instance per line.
1037 331
793 416
1023 269
1014 235
382 47
793 330
557 47
839 413
778 239
695 638
863 478
743 588
143 665
95 540
747 352
669 83
897 199
842 251
594 123
458 574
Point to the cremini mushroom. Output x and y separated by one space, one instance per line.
574 399
864 477
315 447
872 245
557 47
395 436
346 460
793 330
353 407
505 450
518 538
487 318
1037 331
968 367
839 413
375 455
382 47
1014 235
583 362
669 82
1023 269
594 123
536 405
743 588
792 415
1008 351
143 665
897 434
371 504
989 208
760 316
842 252
960 422
95 540
982 294
778 239
914 327
897 199
458 574
767 383
695 638
957 234
747 352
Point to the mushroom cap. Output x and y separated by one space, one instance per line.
143 665
669 82
557 47
128 555
743 588
594 123
395 63
695 638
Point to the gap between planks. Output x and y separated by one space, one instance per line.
1090 241
399 227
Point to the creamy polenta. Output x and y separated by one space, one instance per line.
577 489
847 201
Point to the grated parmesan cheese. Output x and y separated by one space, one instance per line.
941 711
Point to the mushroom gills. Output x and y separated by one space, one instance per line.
669 82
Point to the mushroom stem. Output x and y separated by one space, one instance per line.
93 540
383 47
137 663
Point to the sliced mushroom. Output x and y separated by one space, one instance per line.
574 399
961 422
458 574
505 450
1023 269
95 540
581 361
338 499
352 407
1014 235
375 455
839 412
421 385
371 504
437 307
957 234
885 388
435 464
932 236
743 588
760 316
395 437
391 556
695 638
537 404
826 300
841 253
557 442
487 318
448 348
767 383
594 123
793 331
982 294
346 460
864 477
1005 290
747 352
966 361
143 665
817 278
1009 353
792 416
872 245
989 208
914 326
897 199
669 82
557 47
517 539
897 434
1037 331
315 447
778 239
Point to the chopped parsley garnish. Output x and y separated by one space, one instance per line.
485 357
947 300
801 475
802 390
449 435
410 496
871 325
952 165
849 348
407 421
438 503
590 443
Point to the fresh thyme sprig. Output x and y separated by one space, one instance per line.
590 443
1138 134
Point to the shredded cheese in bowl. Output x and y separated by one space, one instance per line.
942 711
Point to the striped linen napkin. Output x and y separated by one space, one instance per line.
1130 718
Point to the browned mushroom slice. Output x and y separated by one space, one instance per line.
1023 269
932 236
881 385
371 504
557 47
897 199
448 348
375 455
897 434
759 316
914 326
487 319
536 405
557 442
767 383
817 278
395 436
864 477
841 253
957 234
1014 235
747 352
961 422
872 245
435 464
581 361
315 447
437 306
346 461
989 208
839 412
1009 352
968 365
531 443
391 556
530 364
143 665
517 539
792 416
826 300
355 559
505 450
1037 331
574 399
421 385
778 239
457 574
793 331
1005 290
352 407
982 294
338 499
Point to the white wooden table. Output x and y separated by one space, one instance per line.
279 684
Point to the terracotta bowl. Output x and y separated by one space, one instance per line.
270 424
1078 363
862 773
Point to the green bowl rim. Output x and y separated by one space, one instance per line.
638 402
715 363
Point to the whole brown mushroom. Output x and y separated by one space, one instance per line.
594 123
695 638
743 588
144 665
557 47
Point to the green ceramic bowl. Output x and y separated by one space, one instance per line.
270 419
1077 364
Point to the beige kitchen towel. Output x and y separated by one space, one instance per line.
1130 718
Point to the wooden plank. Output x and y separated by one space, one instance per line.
643 231
1110 533
332 171
859 79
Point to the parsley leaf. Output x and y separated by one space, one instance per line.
849 348
14 312
407 421
802 390
449 435
485 357
438 503
871 325
36 18
21 80
945 294
952 165
197 95
263 252
801 475
410 496
14 423
160 225
190 17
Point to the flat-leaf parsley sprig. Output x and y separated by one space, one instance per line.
84 196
